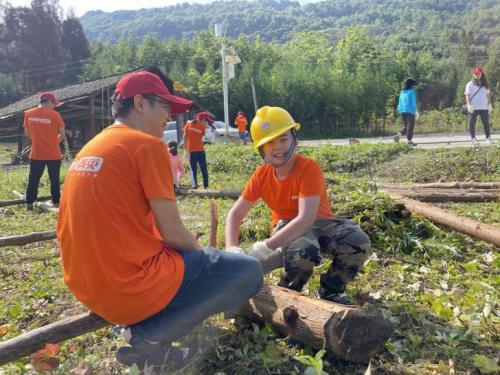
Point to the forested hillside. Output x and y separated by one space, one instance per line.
429 24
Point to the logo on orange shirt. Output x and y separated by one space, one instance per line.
39 119
87 164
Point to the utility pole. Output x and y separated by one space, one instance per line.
218 34
254 95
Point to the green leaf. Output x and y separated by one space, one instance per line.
485 364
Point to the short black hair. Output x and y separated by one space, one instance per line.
44 100
172 143
409 83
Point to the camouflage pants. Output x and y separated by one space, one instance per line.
341 239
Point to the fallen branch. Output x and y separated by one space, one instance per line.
230 193
448 195
476 229
444 185
346 331
41 205
14 202
24 239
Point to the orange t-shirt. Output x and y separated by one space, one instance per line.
193 136
43 125
114 259
241 123
282 196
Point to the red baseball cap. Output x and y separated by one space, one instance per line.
477 70
50 97
139 83
205 116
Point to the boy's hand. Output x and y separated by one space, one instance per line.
270 259
235 249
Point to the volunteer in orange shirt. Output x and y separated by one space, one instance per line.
193 144
126 253
45 127
293 187
241 124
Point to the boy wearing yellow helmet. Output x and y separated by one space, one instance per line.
294 188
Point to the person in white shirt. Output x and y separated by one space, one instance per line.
478 98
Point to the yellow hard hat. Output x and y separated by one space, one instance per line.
269 123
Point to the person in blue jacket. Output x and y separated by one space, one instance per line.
407 107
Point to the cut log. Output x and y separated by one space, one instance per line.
214 221
29 342
41 205
443 185
229 193
448 195
345 331
473 228
14 202
24 239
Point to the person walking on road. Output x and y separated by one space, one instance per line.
407 107
45 127
193 143
478 99
126 253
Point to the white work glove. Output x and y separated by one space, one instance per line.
269 258
490 108
235 249
470 108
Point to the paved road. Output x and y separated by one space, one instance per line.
422 140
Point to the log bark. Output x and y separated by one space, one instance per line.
41 205
449 195
24 239
29 342
14 202
473 228
346 331
229 193
444 185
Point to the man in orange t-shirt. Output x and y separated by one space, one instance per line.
126 253
193 144
241 124
45 127
293 187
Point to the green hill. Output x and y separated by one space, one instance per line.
422 24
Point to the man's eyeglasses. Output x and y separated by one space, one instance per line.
159 100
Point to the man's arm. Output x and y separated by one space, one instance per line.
62 134
27 133
234 219
308 211
169 223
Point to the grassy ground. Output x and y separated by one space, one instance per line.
438 287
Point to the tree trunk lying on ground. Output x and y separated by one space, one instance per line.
24 239
443 185
41 205
14 202
346 331
473 228
229 193
449 195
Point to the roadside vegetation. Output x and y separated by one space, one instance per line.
439 288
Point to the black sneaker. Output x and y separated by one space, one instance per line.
29 207
144 354
337 298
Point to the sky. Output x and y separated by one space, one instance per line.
82 6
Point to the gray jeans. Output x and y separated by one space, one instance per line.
485 119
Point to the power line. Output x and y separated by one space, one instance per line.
49 66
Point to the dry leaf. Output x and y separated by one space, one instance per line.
46 359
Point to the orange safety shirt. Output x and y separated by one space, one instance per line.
193 136
115 261
282 196
241 123
43 125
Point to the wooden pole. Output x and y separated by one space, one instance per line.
41 205
473 228
448 195
214 219
229 194
443 185
24 239
14 202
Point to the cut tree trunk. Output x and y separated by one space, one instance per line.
473 228
24 239
346 331
444 185
14 202
449 195
41 205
